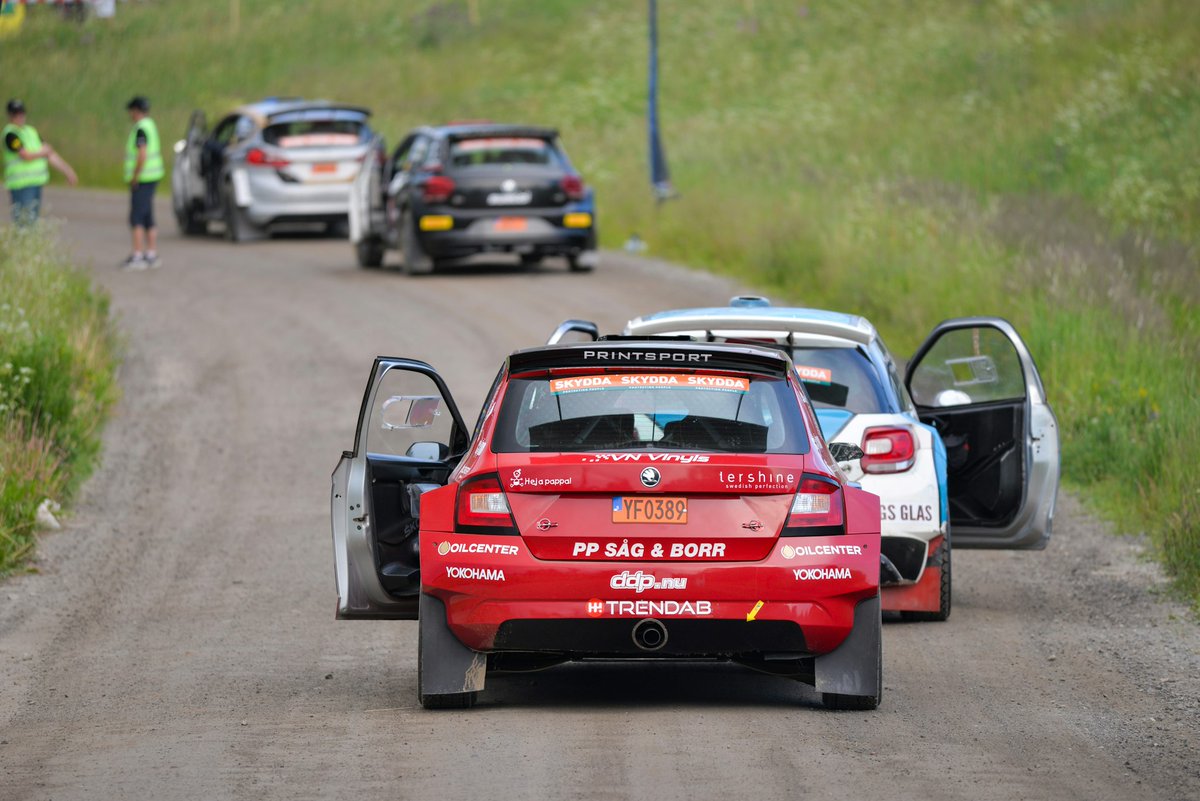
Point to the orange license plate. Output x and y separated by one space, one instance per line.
320 169
510 224
649 509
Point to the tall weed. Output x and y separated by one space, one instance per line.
57 381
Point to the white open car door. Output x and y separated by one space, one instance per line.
409 438
975 381
366 205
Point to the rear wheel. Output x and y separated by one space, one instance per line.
369 252
578 265
943 610
531 259
189 221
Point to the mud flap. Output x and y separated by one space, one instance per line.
447 666
855 667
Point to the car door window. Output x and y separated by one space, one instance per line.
968 366
416 154
408 417
223 133
243 129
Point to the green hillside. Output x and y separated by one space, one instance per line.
910 161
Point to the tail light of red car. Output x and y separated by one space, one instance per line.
817 509
572 187
257 157
888 449
437 189
482 508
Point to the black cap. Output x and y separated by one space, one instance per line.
15 106
138 102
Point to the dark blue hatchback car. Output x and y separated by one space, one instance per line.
454 191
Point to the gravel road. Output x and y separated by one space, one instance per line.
178 639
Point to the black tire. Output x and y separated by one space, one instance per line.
369 252
531 260
575 266
339 229
189 221
416 260
943 612
440 700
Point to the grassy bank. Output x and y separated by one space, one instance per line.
910 161
57 382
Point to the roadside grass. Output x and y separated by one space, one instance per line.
57 382
1038 161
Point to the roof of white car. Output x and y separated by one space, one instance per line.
749 313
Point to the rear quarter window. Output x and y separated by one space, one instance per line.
842 378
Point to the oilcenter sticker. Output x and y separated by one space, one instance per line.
588 383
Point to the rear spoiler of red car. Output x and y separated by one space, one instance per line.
640 352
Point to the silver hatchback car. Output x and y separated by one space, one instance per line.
281 160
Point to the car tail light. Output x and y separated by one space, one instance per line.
482 507
257 157
816 509
572 186
888 449
437 189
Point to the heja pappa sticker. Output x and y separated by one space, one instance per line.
586 383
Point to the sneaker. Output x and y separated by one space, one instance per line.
153 261
135 261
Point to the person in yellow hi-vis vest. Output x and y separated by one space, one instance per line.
27 161
143 170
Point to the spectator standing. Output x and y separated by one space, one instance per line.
27 161
143 170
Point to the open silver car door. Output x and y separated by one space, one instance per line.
975 381
409 438
187 182
574 331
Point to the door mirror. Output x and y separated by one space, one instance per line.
427 451
845 451
406 411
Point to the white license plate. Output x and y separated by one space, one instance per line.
509 198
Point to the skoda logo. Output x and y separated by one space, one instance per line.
650 477
508 185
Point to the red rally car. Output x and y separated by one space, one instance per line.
626 498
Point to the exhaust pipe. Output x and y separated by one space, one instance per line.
649 634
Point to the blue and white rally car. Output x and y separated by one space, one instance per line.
964 448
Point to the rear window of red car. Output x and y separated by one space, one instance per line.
654 411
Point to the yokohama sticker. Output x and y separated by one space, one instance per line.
647 608
821 573
475 573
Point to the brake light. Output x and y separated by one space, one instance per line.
481 504
437 189
817 505
256 157
888 449
572 187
